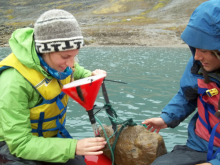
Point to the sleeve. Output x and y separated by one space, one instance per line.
80 72
215 161
179 107
15 127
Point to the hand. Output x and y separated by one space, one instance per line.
204 164
155 124
90 146
97 72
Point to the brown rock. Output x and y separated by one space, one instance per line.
135 146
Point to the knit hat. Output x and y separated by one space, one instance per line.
57 30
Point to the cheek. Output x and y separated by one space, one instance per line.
55 63
218 64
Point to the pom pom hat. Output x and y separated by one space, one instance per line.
57 30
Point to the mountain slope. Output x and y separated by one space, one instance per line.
107 22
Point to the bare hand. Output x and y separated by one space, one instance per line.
90 146
97 72
204 164
155 124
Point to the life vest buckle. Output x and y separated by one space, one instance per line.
212 92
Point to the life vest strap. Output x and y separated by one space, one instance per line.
59 104
206 126
51 129
205 105
57 99
60 126
208 92
40 124
52 118
211 142
202 91
62 129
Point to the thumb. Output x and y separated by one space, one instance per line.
147 121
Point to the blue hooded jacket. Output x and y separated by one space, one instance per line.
202 32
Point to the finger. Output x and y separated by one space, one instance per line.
96 142
157 130
97 139
149 127
90 146
94 153
146 122
93 149
152 130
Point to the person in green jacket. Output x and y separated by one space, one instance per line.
32 105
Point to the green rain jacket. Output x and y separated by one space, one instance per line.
18 96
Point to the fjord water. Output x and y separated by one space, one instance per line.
152 75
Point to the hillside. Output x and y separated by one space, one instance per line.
108 22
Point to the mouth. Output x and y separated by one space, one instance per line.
62 69
205 64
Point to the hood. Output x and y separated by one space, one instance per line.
23 46
203 29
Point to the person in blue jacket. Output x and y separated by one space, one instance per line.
199 90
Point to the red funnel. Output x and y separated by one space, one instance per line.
84 91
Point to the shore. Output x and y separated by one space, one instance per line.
152 35
167 46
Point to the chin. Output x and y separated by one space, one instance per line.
60 70
209 70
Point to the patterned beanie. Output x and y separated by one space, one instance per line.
57 30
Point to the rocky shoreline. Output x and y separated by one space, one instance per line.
150 23
154 35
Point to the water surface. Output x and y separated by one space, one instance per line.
153 76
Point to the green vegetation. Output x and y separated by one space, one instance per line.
10 16
120 6
89 42
19 24
9 11
62 6
76 5
53 3
161 4
114 8
17 3
177 29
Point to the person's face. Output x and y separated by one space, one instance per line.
60 60
209 61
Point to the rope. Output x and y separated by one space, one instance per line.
115 120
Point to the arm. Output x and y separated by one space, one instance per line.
215 161
179 107
17 96
80 72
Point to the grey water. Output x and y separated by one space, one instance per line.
152 75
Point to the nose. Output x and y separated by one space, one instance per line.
198 55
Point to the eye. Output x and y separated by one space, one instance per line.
203 51
65 57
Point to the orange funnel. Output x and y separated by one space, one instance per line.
84 91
